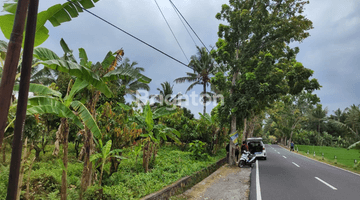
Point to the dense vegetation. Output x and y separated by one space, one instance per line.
83 141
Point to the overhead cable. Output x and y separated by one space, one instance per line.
171 29
189 26
187 30
104 20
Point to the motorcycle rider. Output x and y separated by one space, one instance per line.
244 147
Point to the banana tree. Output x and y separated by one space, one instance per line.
104 155
65 109
96 75
56 15
153 132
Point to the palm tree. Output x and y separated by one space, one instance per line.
166 93
131 84
319 115
203 66
353 118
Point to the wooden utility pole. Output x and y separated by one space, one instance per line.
32 6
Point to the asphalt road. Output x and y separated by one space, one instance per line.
289 176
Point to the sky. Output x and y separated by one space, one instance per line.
332 50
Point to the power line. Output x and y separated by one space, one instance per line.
189 25
104 20
171 30
184 24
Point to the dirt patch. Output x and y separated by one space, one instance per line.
228 182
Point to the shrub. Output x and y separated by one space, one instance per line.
197 149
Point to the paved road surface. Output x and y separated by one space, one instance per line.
289 176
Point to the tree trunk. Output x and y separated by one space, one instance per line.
204 86
245 129
233 117
59 137
65 133
292 131
232 145
89 147
101 174
27 195
87 170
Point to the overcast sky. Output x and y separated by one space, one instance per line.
332 50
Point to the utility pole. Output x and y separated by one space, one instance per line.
29 9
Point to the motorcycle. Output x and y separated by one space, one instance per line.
247 158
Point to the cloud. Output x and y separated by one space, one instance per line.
332 50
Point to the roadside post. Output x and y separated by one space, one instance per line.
314 154
355 163
308 152
297 149
335 160
322 156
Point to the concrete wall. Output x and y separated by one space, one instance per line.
184 183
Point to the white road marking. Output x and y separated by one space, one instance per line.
295 164
284 156
278 152
258 191
332 187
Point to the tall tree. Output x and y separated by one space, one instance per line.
204 66
318 115
254 45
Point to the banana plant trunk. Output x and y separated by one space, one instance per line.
87 170
59 138
65 133
86 179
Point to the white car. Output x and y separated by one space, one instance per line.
257 147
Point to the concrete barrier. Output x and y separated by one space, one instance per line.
184 183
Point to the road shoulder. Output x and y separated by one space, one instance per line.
228 182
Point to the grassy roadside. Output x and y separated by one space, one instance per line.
345 158
130 182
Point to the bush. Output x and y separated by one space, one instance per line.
197 149
96 192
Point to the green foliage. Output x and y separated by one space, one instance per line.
198 150
4 178
56 14
185 125
95 192
130 182
254 45
153 131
